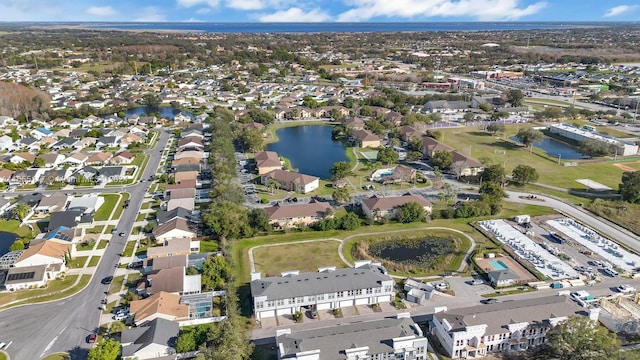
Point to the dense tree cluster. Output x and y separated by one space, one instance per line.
630 186
22 102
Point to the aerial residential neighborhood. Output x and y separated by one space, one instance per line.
372 195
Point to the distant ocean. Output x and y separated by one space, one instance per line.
338 27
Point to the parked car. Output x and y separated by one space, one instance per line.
477 282
92 338
119 317
625 289
107 280
121 234
441 286
490 301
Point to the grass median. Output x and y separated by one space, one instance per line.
104 212
55 289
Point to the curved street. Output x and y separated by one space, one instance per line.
63 325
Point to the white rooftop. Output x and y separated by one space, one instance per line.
545 262
606 248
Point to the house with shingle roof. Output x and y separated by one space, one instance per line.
288 216
154 339
462 165
162 305
431 145
365 138
387 207
172 280
291 181
176 228
44 253
267 161
28 277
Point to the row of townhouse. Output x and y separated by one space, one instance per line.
465 333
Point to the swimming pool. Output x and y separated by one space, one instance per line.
498 265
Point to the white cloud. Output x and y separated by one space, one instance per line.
192 3
483 10
151 14
246 4
621 9
33 10
101 11
204 10
296 15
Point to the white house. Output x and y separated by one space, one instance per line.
44 253
389 338
150 341
366 283
511 326
177 228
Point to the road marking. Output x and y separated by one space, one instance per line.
50 345
9 344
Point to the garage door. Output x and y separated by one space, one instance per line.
364 301
346 303
286 311
386 298
266 314
324 306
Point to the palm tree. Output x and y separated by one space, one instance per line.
21 210
272 185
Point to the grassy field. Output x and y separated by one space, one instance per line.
78 262
120 208
128 250
306 257
13 226
102 244
116 284
208 246
103 213
94 261
52 286
483 146
57 356
85 246
95 230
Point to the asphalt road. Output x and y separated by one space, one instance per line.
41 329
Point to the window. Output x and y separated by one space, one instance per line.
311 298
331 296
340 294
320 297
300 300
292 301
259 305
280 302
369 290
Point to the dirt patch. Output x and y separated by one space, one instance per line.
623 167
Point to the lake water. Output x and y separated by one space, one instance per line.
6 239
310 149
556 148
166 112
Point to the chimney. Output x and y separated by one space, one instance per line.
256 276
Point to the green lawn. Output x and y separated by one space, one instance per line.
45 294
128 250
78 262
94 261
3 356
103 244
104 212
118 213
483 146
13 226
85 246
141 217
116 284
208 246
95 230
306 257
56 356
110 229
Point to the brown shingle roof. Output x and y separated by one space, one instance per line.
293 211
177 223
388 203
365 135
291 177
163 303
47 248
267 158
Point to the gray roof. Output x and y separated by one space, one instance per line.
332 341
164 216
284 287
498 316
506 274
111 171
187 167
158 331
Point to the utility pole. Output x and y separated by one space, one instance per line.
635 113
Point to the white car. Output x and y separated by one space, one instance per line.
441 286
625 289
120 316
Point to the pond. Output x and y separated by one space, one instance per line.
422 253
165 111
310 149
556 148
6 239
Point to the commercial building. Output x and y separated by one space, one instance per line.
622 148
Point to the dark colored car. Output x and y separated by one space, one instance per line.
92 338
491 301
107 280
121 234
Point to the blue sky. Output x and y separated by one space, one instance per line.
319 10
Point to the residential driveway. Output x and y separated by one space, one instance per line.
286 320
463 290
268 323
349 311
365 309
325 314
387 307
